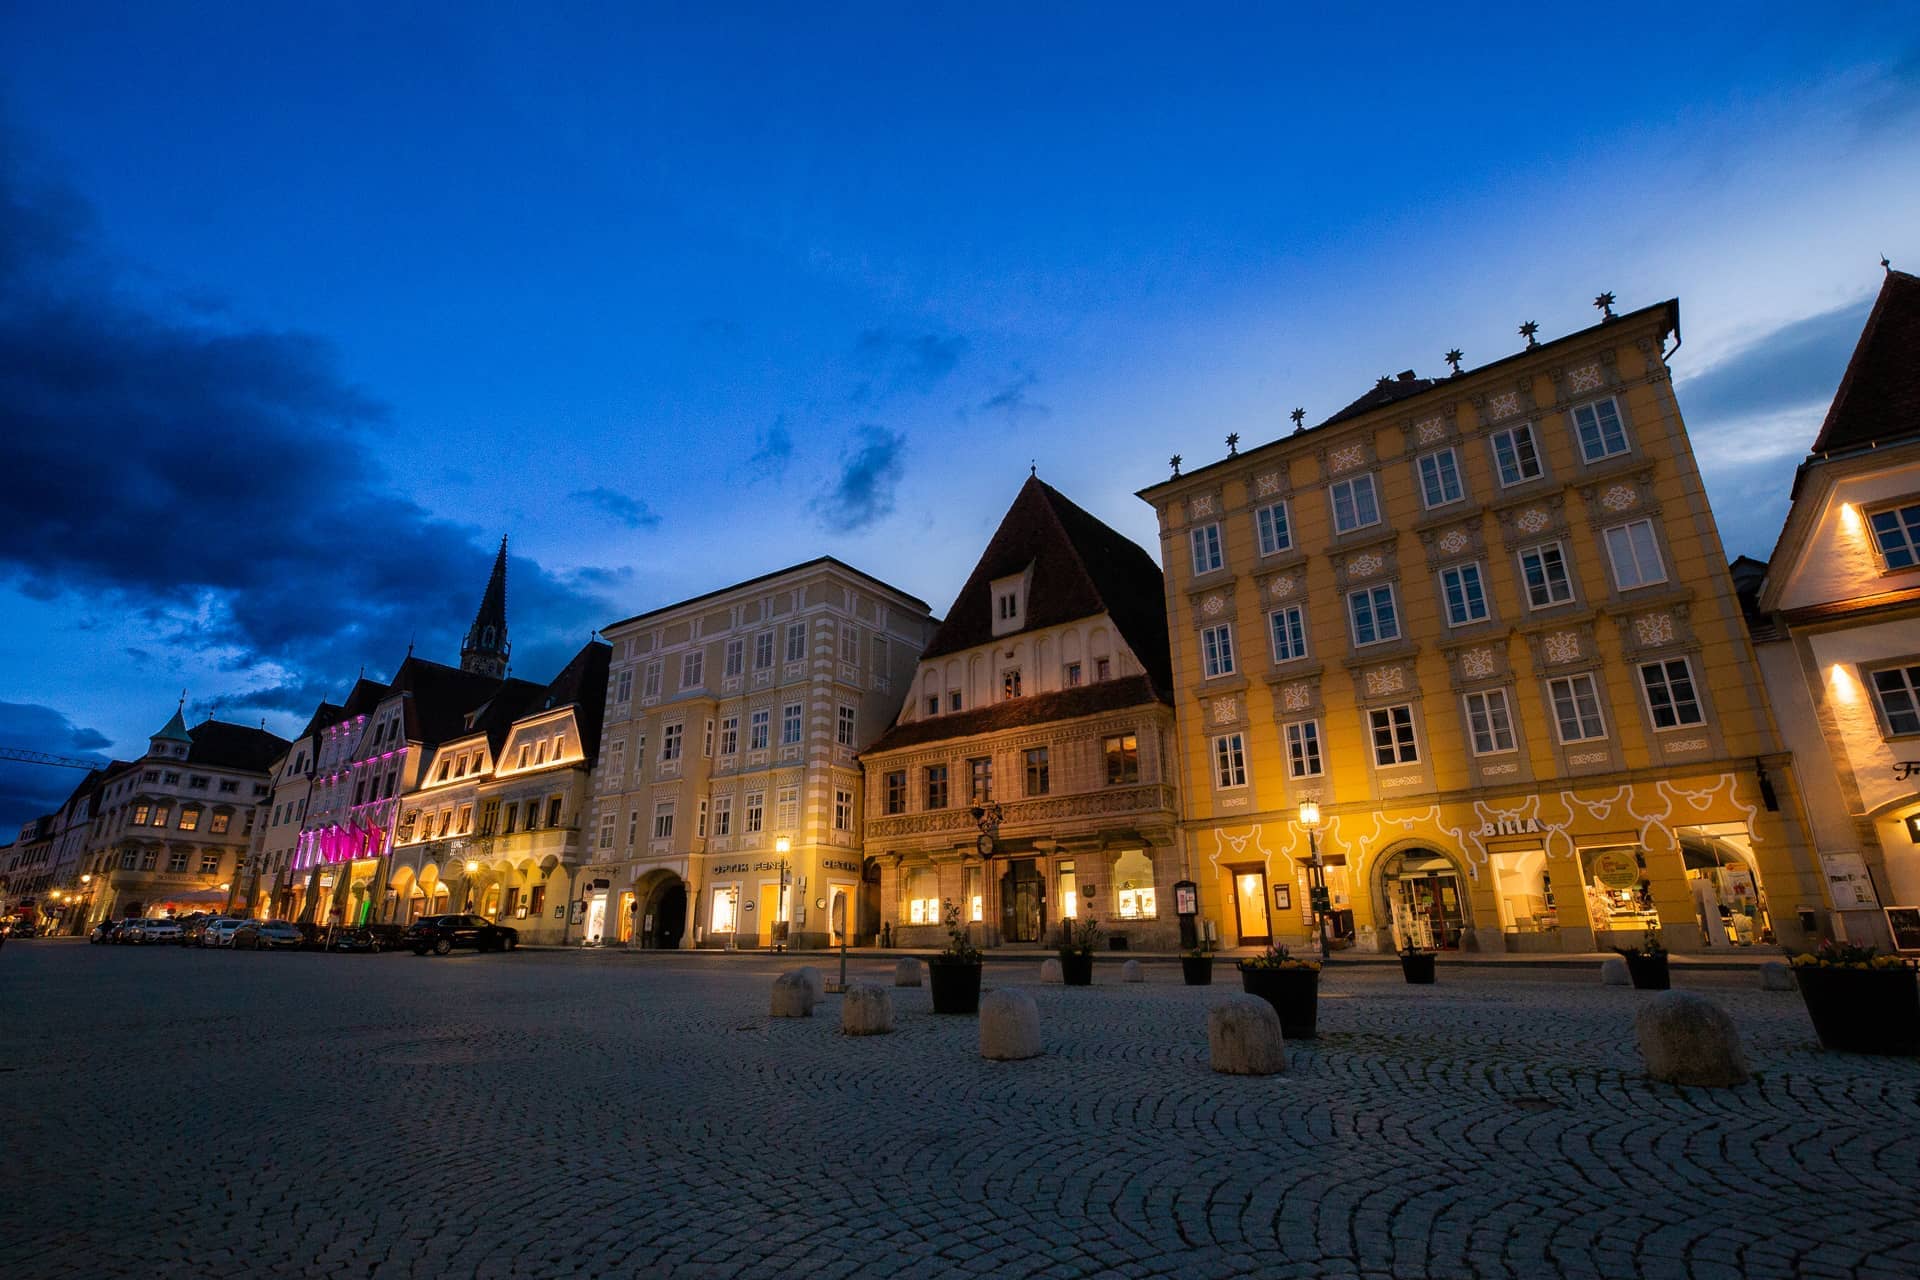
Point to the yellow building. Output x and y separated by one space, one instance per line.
1484 623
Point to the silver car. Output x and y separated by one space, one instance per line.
160 931
219 933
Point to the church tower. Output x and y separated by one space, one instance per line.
485 650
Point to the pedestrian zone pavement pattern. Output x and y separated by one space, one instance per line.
172 1112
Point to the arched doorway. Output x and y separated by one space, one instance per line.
1728 899
661 899
1423 896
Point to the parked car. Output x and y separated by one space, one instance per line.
268 935
193 926
158 931
124 929
220 930
102 932
441 934
355 940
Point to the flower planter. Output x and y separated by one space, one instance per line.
956 987
1862 1010
1197 970
1293 993
1418 968
1649 973
1076 968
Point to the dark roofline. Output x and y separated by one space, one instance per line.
1821 448
765 577
1671 306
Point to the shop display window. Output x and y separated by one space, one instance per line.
922 904
1133 873
726 909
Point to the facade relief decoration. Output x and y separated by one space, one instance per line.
1347 458
1200 507
1477 664
1297 696
1585 378
1282 587
1561 647
1226 710
1504 405
1430 430
1383 681
1266 486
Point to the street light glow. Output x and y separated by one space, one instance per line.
1309 813
782 845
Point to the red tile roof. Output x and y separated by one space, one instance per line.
1879 397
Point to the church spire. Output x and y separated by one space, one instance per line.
486 648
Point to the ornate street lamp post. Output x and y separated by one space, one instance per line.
783 847
1317 886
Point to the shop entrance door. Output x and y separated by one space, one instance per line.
1250 908
1022 894
769 912
596 916
837 916
1427 905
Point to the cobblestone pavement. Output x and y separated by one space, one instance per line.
173 1112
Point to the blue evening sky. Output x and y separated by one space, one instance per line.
302 307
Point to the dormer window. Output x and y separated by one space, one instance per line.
1010 683
1010 602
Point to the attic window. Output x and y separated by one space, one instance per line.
1009 596
1009 607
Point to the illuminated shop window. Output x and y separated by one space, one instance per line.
726 909
922 905
1133 874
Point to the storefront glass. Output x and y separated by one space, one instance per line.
725 916
1424 893
922 905
1619 898
1069 892
1133 874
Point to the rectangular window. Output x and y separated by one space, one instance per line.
1465 594
1671 700
1123 759
700 819
633 828
189 817
553 813
730 736
1216 650
1102 669
1273 528
617 757
219 823
936 786
790 724
198 781
650 683
512 823
140 815
722 816
842 810
1038 769
1544 568
1490 722
849 645
1009 606
607 821
464 826
1354 504
1393 736
787 808
1206 549
953 699
693 669
980 779
1601 435
758 727
209 864
922 896
1896 531
736 658
663 820
623 687
1373 615
1897 689
537 901
1070 678
1635 554
147 857
1010 683
489 816
1288 628
706 740
177 860
1440 478
933 705
1303 749
1229 761
1515 455
1576 708
670 743
896 791
796 641
763 651
756 812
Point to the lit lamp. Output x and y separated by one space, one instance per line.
783 846
1310 819
473 869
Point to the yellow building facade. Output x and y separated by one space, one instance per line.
1485 625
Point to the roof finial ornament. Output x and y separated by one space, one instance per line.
1233 444
1528 328
1886 264
1299 417
1033 469
1384 381
183 700
1174 462
1453 358
1605 303
410 640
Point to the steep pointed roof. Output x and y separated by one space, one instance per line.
582 683
1081 568
1879 397
176 728
488 634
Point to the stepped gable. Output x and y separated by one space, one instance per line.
218 744
1081 567
1879 397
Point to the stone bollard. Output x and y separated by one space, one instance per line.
1613 972
792 996
1050 971
866 1010
1132 972
1009 1025
907 973
1686 1038
1776 975
816 981
1243 1038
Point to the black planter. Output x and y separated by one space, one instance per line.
1293 993
1862 1010
1197 970
1418 968
1076 968
956 986
1649 973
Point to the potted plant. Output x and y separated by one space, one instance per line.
1647 963
1291 986
1196 966
1860 1001
1417 965
954 974
1076 951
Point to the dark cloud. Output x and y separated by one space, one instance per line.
912 362
221 481
1795 365
863 493
628 510
29 790
772 450
1012 402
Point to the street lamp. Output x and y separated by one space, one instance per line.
473 869
1317 890
782 846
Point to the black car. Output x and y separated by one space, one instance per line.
360 939
441 934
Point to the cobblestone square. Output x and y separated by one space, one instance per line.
175 1112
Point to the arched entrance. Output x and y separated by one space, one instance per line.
661 901
1423 896
1728 899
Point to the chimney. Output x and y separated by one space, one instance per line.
1406 375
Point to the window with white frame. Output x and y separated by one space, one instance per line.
1393 741
1288 628
633 827
1601 432
693 669
736 660
763 651
789 724
849 645
1576 708
1544 570
706 740
1671 699
1465 594
729 735
663 820
1440 478
1216 650
700 819
1273 529
1010 683
1516 455
842 810
844 728
755 812
1373 615
1897 690
922 904
670 742
758 726
1355 506
1303 749
623 687
796 641
722 816
1490 722
1229 761
1206 548
1635 554
787 808
1896 533
650 681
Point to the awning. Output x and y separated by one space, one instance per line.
193 895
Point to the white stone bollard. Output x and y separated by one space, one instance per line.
907 973
1776 975
1009 1026
1613 972
1686 1038
1243 1038
1050 971
1132 972
792 996
866 1010
816 981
